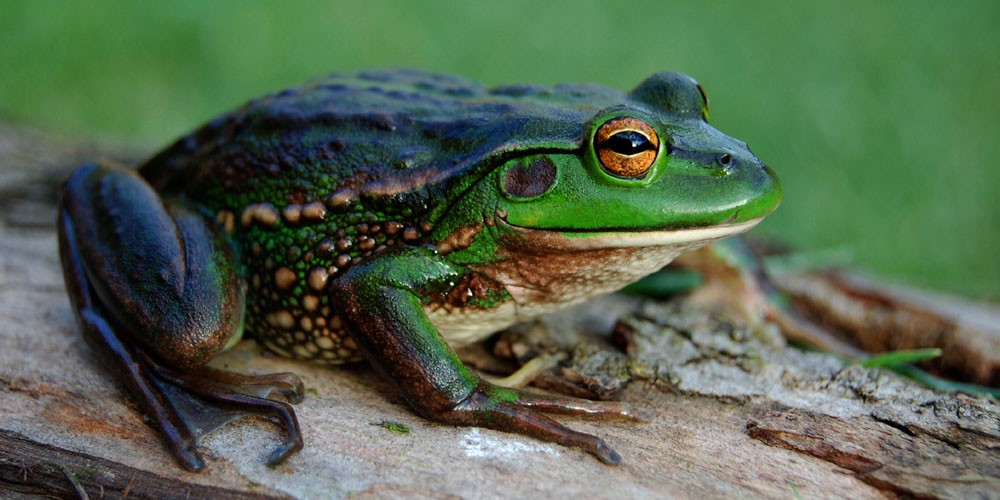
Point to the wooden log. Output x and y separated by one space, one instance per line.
736 415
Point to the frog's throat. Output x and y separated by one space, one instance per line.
544 271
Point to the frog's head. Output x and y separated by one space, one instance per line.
588 189
648 164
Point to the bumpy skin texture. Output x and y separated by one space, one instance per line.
351 165
389 215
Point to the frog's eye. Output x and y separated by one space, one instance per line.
626 147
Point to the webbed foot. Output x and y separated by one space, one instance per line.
204 403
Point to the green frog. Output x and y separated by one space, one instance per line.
391 216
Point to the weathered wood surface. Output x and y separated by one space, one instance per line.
735 415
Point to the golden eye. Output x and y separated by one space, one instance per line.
626 147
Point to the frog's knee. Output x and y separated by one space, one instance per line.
165 273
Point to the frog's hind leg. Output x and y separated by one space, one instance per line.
156 291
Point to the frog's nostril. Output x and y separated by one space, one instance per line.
725 159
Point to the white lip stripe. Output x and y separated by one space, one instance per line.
625 239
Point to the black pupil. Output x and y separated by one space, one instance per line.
628 142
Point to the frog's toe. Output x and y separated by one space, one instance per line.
504 410
189 458
606 454
204 404
575 406
289 448
290 388
285 386
525 421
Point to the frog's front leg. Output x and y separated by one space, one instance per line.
381 303
156 290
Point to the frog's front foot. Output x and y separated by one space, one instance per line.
516 411
381 303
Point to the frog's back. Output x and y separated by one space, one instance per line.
311 181
368 134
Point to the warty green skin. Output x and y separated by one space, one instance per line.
380 214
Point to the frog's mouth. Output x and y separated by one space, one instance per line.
576 240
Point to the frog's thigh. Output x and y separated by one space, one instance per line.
165 274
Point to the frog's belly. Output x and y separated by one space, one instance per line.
468 325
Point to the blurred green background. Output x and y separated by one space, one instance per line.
882 118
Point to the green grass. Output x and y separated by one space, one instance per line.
901 357
880 117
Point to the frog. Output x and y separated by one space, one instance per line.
391 216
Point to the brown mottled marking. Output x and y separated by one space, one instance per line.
392 227
310 302
314 211
284 278
340 198
326 246
470 286
282 319
292 213
264 213
318 277
543 270
459 239
228 221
